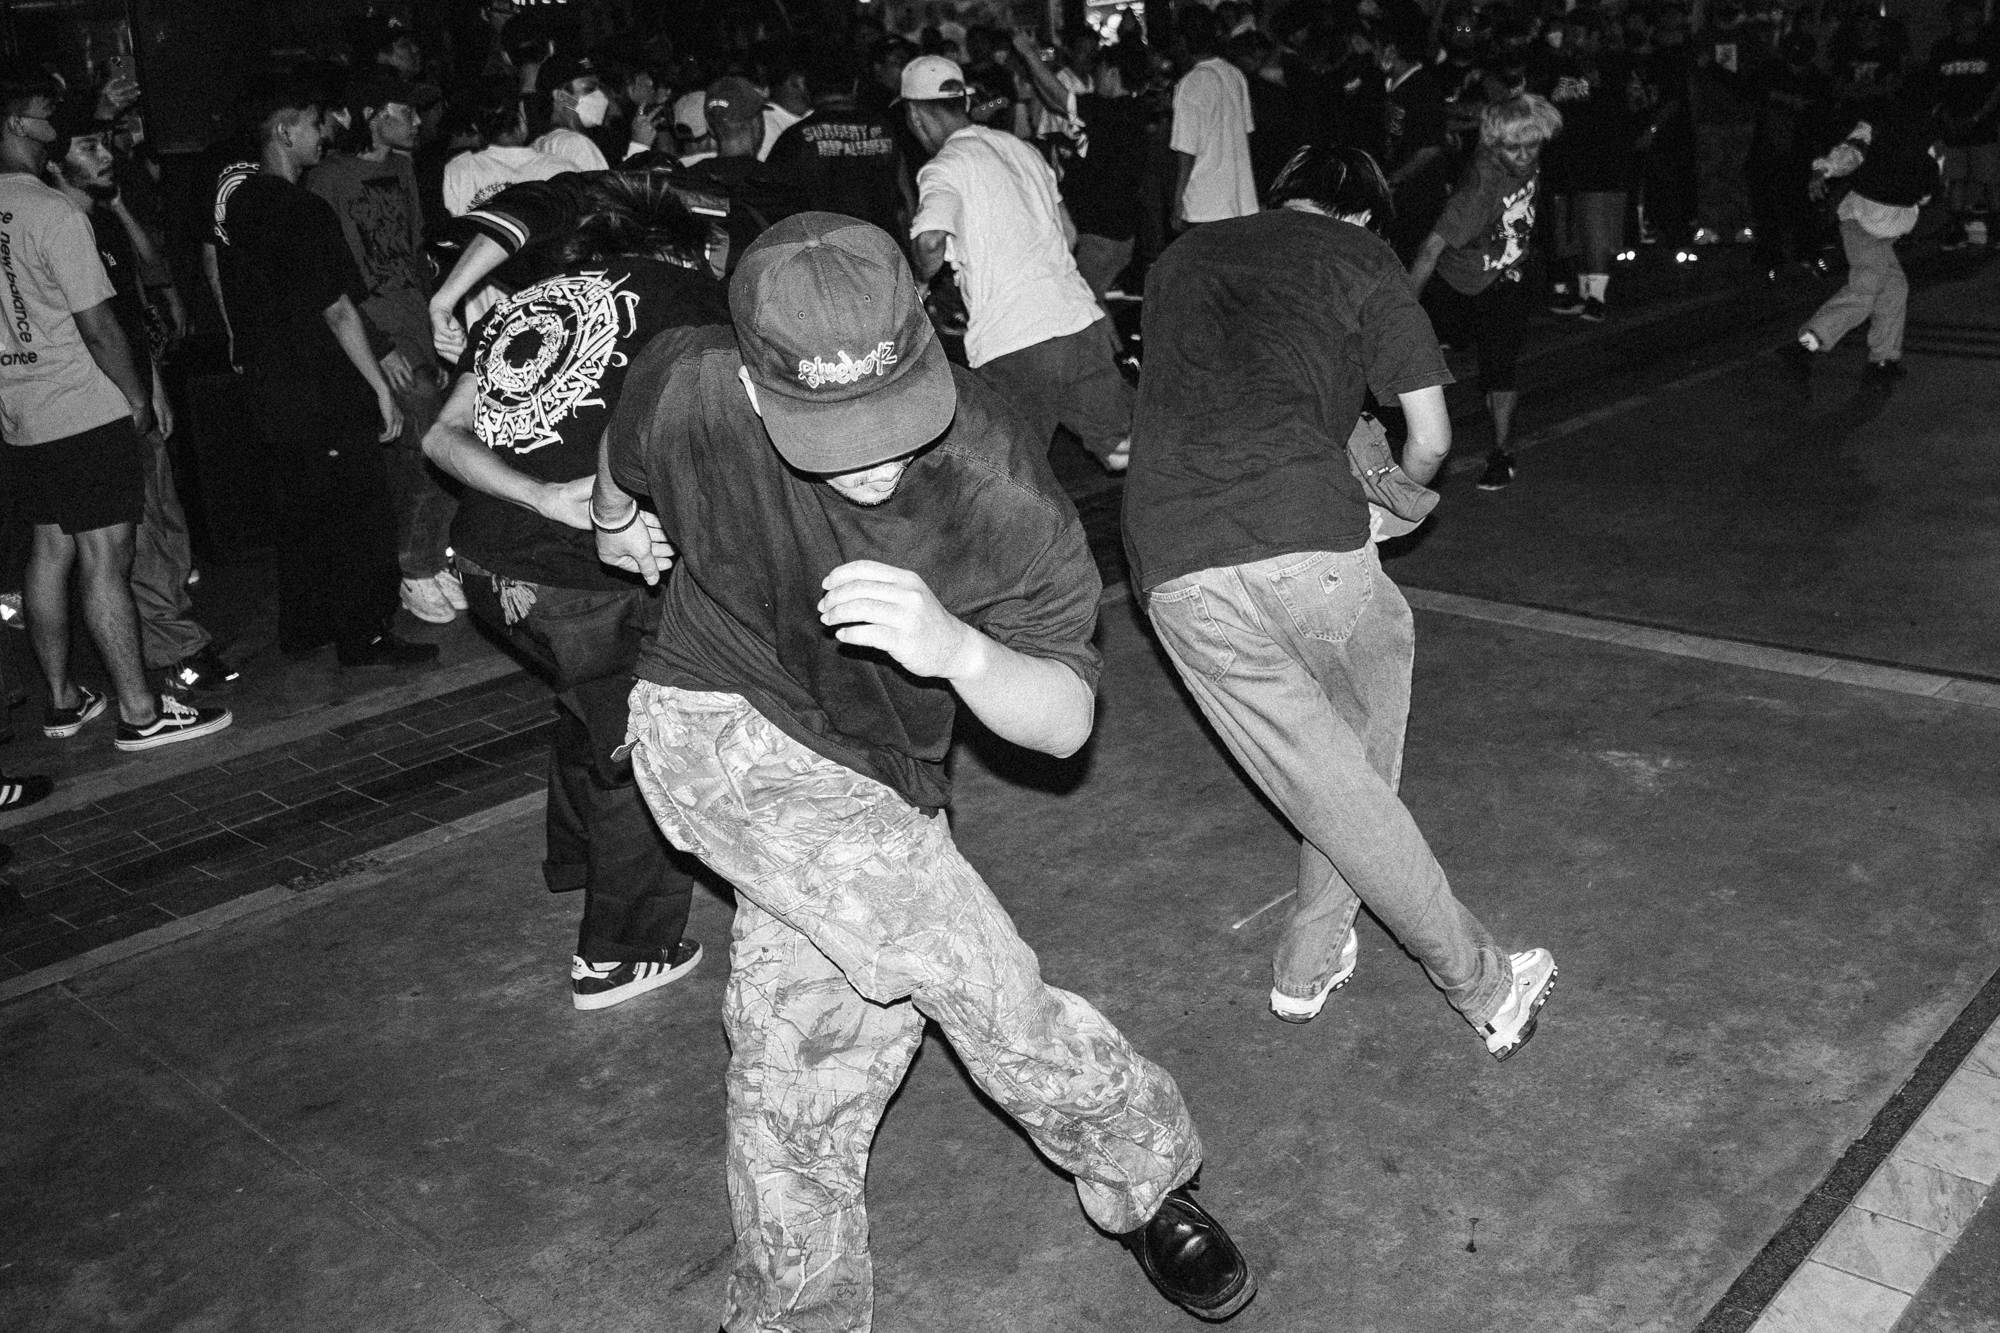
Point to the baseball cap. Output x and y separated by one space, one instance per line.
377 87
835 338
733 99
690 121
562 68
931 79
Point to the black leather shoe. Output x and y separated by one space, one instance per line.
1191 1259
387 650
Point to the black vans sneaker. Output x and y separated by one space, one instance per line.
201 673
62 723
176 722
601 985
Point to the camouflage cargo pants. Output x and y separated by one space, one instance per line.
856 919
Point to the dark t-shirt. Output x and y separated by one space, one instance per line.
377 205
290 262
841 159
1487 225
551 362
978 516
1596 150
757 197
1963 75
1262 336
121 265
1101 183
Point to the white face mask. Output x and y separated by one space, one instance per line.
590 108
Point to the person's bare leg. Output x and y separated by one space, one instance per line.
1500 406
104 560
45 597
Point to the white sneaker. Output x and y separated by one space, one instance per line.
1293 1009
1534 982
423 599
454 591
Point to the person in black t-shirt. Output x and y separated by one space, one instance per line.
1251 542
1964 94
1414 156
1105 166
521 428
322 404
1591 173
844 157
865 537
757 196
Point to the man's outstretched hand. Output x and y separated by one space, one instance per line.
879 606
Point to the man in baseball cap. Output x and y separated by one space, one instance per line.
867 538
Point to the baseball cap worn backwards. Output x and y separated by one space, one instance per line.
834 336
933 78
733 100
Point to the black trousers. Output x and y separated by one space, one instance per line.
337 571
637 887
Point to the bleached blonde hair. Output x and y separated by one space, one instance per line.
1523 116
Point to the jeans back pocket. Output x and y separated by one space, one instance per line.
1323 593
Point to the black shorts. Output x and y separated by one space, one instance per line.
1495 322
83 482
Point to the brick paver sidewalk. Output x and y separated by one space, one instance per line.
144 857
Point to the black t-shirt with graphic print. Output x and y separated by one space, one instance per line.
551 362
1263 335
978 516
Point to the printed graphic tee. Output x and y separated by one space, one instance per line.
1487 225
1965 75
841 159
470 179
996 201
1263 335
50 386
376 203
551 362
978 515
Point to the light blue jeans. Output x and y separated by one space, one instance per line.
1302 665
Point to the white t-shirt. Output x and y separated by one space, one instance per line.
50 385
996 201
1212 124
573 148
470 179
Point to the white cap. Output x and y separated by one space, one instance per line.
690 114
933 78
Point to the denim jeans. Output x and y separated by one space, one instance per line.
424 508
1302 665
1876 291
857 919
161 562
636 888
1070 381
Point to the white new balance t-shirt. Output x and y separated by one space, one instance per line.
470 179
996 201
1212 125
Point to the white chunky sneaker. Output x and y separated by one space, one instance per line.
1293 1009
453 590
426 601
1534 982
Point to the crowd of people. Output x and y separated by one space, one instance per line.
730 365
